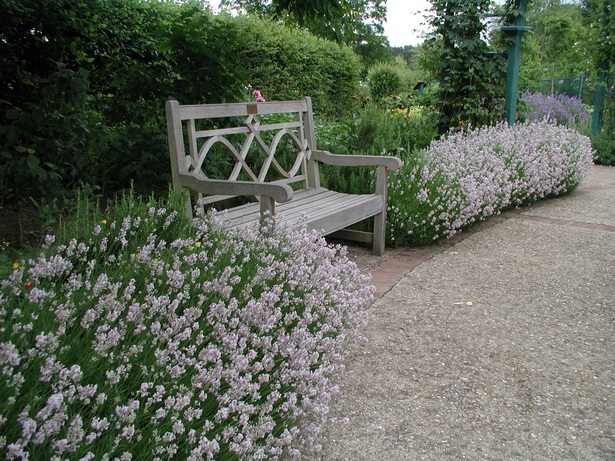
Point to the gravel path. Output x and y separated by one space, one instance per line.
500 346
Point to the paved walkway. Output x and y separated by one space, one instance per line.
498 344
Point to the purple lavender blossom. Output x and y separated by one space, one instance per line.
558 108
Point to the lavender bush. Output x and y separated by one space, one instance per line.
465 177
558 108
142 342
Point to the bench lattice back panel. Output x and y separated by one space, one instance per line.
259 142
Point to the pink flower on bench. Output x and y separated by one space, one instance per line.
259 97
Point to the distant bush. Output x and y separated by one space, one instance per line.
384 80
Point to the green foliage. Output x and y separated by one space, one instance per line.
384 80
416 124
372 52
44 122
604 149
398 123
71 80
408 53
329 10
470 81
288 63
47 150
84 214
202 51
599 17
374 131
560 43
399 127
371 132
351 22
411 74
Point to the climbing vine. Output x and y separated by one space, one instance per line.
469 73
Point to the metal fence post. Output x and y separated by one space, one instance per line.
514 59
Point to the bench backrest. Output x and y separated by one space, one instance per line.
260 142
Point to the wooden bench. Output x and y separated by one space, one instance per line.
268 151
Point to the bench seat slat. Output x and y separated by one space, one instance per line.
321 209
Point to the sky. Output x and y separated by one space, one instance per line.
404 18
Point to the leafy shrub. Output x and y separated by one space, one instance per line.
416 123
384 80
467 176
46 144
149 339
83 85
556 108
86 82
373 131
604 149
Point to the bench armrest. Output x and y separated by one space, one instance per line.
279 192
392 163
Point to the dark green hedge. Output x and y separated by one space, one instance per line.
83 86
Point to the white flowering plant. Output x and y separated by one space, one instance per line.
466 177
151 339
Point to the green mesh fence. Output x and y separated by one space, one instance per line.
576 86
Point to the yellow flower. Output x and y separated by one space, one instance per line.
15 266
198 244
104 221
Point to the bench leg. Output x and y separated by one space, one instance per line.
380 220
379 234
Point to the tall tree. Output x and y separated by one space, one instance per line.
599 17
351 22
